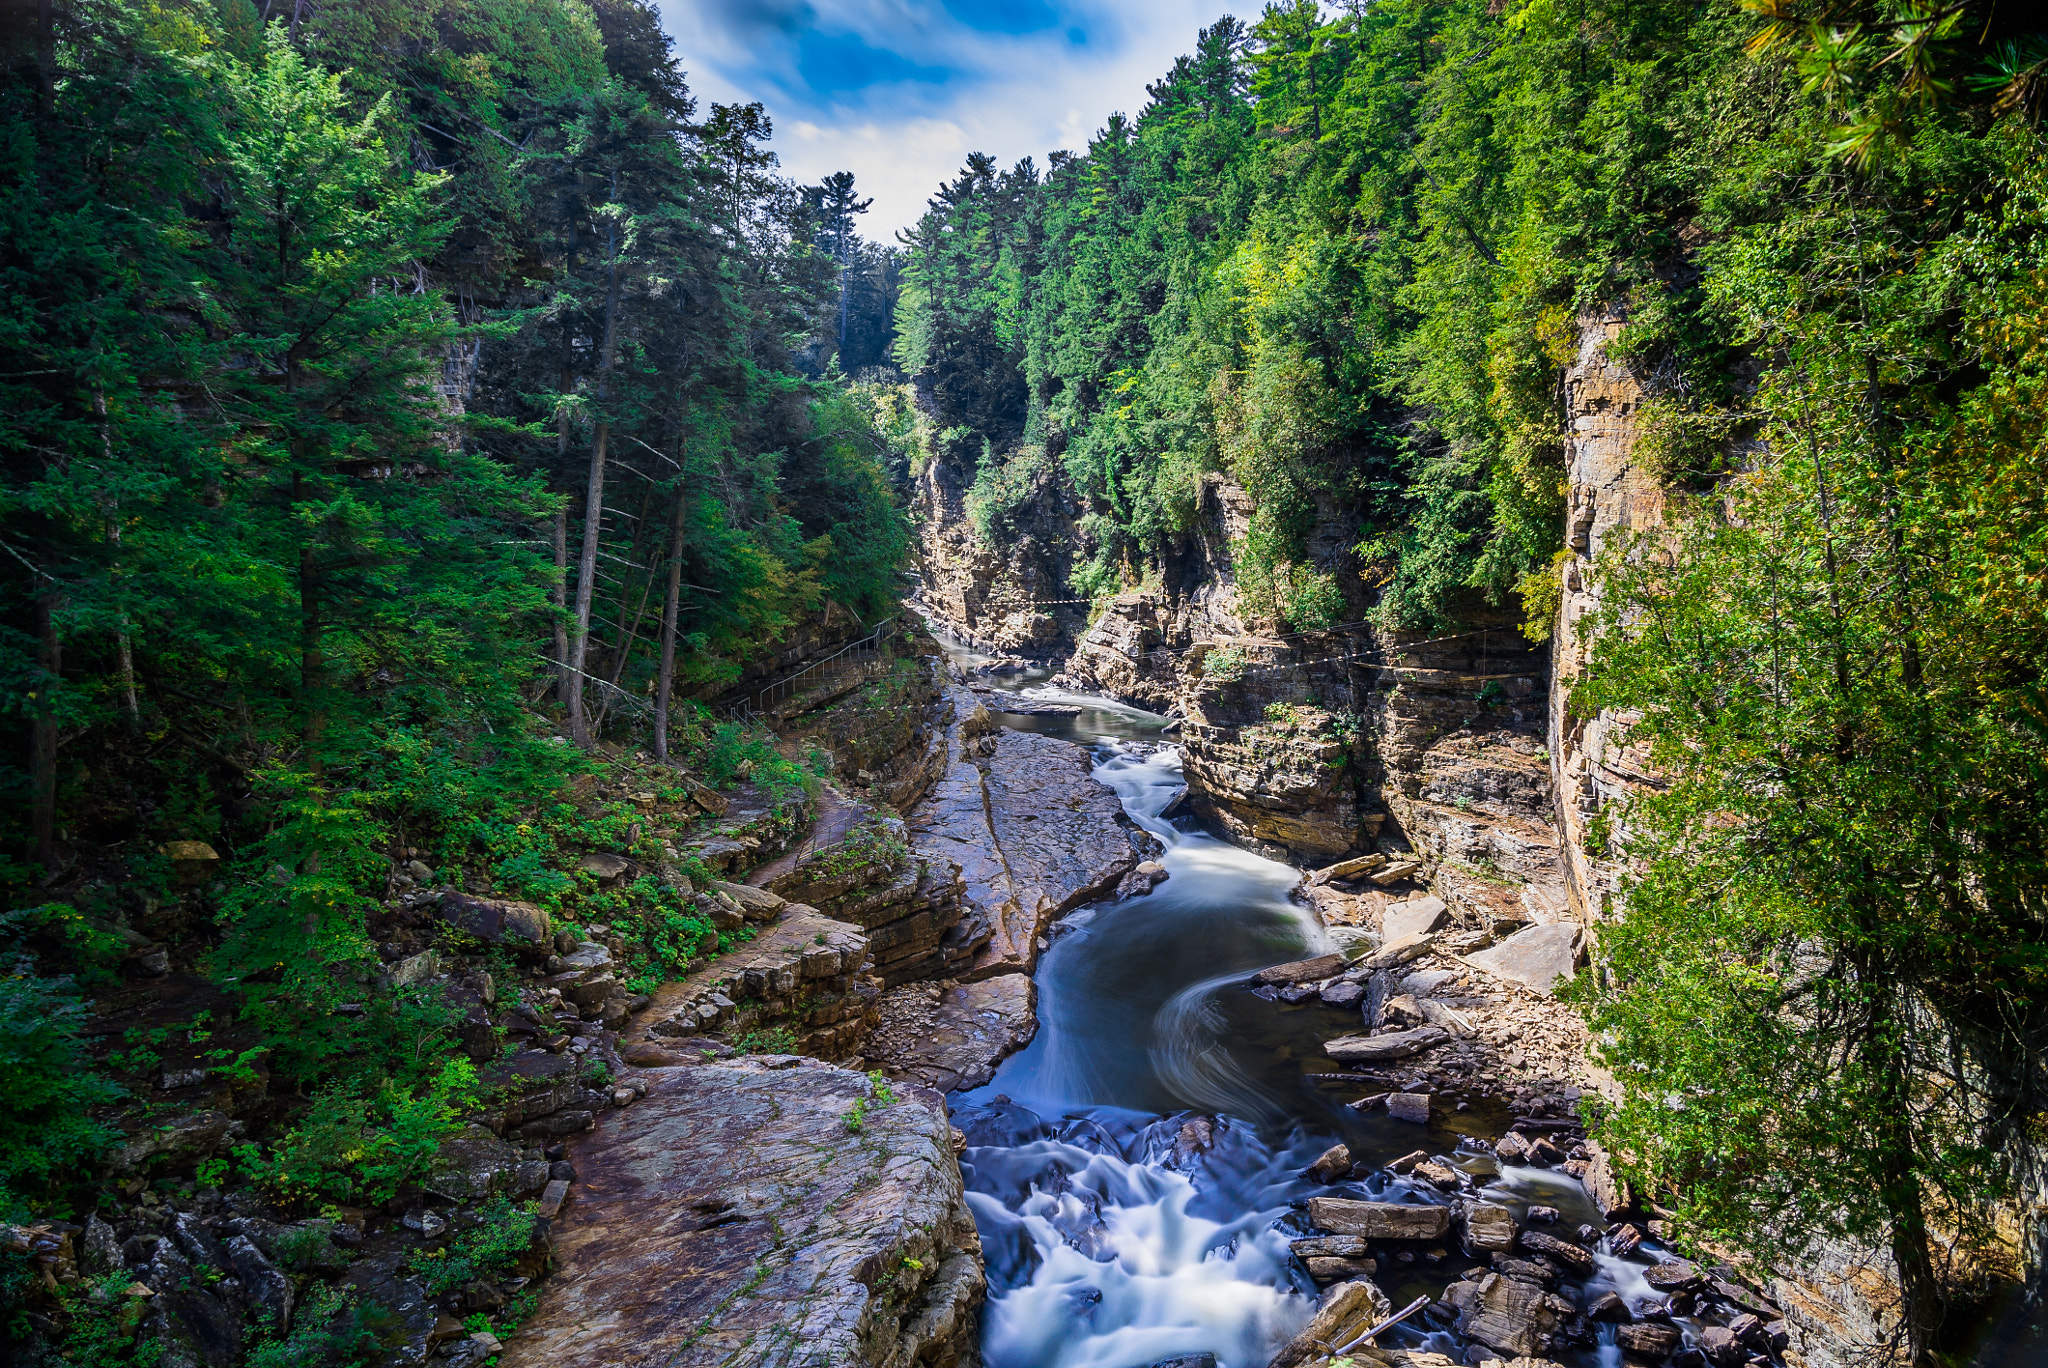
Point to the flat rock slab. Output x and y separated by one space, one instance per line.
1415 917
1301 971
1379 1220
1394 1045
957 1041
731 1217
1034 835
1537 957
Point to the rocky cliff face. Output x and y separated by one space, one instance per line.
1007 597
1610 496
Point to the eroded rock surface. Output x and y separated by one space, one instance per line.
735 1216
948 1036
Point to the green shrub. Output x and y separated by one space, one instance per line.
775 1040
47 1136
364 1148
489 1249
1225 666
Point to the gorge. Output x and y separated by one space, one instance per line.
1389 715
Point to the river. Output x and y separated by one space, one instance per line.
1135 1171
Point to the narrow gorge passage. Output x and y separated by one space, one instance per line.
1136 1172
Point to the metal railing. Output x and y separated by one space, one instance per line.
853 656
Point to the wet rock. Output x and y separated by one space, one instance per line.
1379 1220
1197 1136
1722 1346
519 925
1579 1261
1300 971
1329 1270
1412 1107
1622 1240
1402 1013
1440 1176
1512 1148
1188 1361
1407 1162
1542 1151
1331 1247
1331 1165
1541 1272
1488 1228
1675 1275
1608 1306
706 1229
1375 1049
1543 1215
1536 958
1649 1339
1342 994
1346 1311
1508 1315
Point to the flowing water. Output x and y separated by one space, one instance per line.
1135 1170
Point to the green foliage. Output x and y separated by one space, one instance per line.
879 1092
873 844
102 1324
1225 666
489 1249
1825 1003
775 1040
49 1086
330 1329
364 1147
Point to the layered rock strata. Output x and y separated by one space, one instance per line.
768 1210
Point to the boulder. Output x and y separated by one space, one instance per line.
1722 1346
1343 994
1373 1049
605 865
1440 1176
1409 1107
1649 1339
414 970
477 1164
1675 1275
1331 1165
1330 1247
1506 1314
1579 1261
1407 1162
1416 917
1536 958
517 925
1379 1220
1609 1306
1346 1311
267 1290
756 904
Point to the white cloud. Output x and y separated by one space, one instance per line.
1007 95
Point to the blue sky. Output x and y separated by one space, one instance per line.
900 91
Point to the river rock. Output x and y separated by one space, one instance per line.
1332 1164
1372 1049
1379 1220
1409 1107
1579 1261
1330 1247
1537 957
1507 1314
1674 1275
1343 994
1393 954
732 1217
1346 1311
1488 1228
1300 971
1649 1339
1607 1188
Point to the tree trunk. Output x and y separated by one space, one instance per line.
558 597
42 744
593 510
670 605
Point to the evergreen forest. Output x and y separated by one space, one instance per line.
414 415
